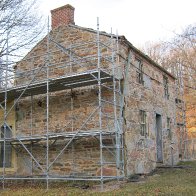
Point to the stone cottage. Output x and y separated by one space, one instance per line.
87 105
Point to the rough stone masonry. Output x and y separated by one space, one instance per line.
148 103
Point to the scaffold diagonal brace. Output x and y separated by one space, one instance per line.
31 156
70 141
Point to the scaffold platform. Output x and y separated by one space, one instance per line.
57 84
28 139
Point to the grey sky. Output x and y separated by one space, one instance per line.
139 20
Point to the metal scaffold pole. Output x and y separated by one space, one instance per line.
5 112
181 112
69 69
31 133
100 105
180 96
47 108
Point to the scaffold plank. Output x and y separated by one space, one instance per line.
54 136
57 84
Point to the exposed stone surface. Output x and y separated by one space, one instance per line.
141 151
69 109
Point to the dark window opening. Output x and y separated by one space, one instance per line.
8 148
178 101
169 128
139 72
166 87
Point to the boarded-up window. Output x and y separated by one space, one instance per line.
143 124
139 71
8 148
147 81
169 128
166 87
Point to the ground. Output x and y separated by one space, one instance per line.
164 181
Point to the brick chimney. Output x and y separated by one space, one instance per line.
62 16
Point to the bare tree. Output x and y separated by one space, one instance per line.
1 73
20 22
20 29
183 47
180 52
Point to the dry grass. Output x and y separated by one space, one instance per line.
169 181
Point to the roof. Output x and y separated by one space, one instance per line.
123 38
149 59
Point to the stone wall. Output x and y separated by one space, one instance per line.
69 109
68 112
61 61
141 151
82 157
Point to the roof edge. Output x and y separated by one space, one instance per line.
131 46
122 37
147 57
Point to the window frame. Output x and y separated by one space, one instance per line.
169 128
139 71
143 123
166 86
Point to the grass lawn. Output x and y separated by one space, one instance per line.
167 181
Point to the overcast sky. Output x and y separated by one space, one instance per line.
139 20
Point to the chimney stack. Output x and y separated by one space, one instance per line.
62 16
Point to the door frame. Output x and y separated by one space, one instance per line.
159 140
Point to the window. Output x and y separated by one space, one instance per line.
166 87
169 128
143 125
8 148
139 71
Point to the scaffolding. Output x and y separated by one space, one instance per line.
101 72
181 113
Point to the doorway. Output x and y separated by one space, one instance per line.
159 141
